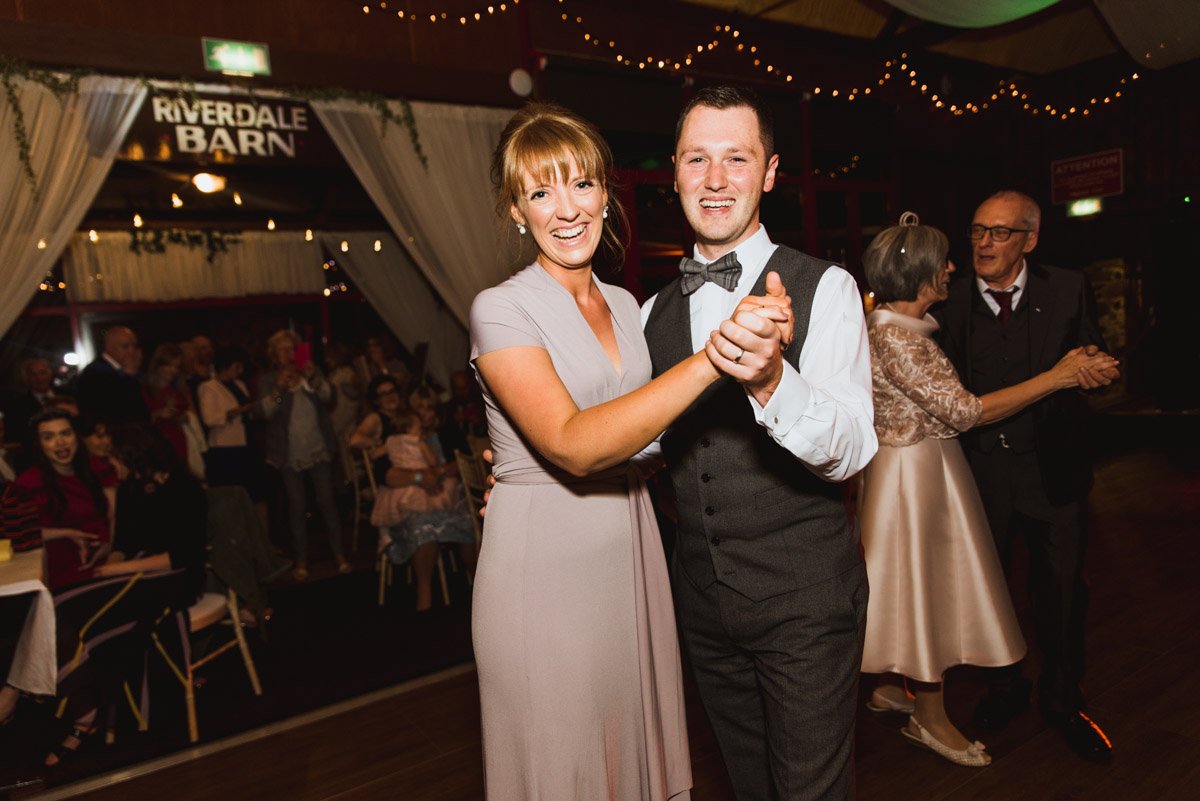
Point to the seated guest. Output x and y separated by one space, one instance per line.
75 494
938 593
98 441
419 536
160 527
301 442
167 400
108 387
409 451
161 512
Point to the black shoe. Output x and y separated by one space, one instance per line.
1084 736
999 707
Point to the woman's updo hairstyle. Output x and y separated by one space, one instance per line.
540 139
902 259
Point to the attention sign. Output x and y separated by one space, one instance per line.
1094 175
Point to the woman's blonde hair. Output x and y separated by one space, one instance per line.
277 339
541 139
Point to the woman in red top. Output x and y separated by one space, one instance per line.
76 499
167 398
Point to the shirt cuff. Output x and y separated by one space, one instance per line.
787 405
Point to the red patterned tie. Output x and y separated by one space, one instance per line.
1004 299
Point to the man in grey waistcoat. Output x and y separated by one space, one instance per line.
768 576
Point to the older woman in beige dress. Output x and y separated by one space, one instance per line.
938 594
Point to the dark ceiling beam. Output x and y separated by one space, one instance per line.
892 26
767 9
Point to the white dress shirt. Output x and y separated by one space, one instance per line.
822 413
1016 289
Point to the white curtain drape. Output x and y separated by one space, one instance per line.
390 281
443 214
1156 33
253 263
72 143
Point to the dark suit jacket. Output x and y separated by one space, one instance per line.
1062 316
17 414
110 394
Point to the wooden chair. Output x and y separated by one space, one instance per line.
385 566
212 608
472 473
362 480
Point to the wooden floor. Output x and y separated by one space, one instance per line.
1143 683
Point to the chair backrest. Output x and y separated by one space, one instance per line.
478 445
473 475
369 469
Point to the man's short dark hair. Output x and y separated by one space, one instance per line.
723 97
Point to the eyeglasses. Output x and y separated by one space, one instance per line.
1000 233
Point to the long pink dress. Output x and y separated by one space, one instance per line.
574 629
938 594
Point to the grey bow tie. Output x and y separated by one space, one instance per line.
724 272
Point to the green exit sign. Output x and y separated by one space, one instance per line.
236 58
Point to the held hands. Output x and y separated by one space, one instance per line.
1093 377
748 347
1086 368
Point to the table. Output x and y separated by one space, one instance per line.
26 566
35 664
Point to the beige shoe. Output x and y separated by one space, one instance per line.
973 756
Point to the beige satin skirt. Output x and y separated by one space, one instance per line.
938 594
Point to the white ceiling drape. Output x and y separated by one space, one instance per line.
72 142
442 213
1156 33
244 263
390 281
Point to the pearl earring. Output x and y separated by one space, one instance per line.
520 229
605 215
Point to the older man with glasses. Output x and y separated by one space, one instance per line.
1009 321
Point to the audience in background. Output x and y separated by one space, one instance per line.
379 358
348 390
465 407
37 378
301 442
166 397
108 387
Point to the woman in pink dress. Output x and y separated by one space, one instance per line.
938 594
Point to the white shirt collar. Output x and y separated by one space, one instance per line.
753 254
116 364
1016 288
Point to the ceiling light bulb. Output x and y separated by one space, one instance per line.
208 183
137 221
308 235
270 225
237 199
176 201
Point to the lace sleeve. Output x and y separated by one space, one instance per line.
919 369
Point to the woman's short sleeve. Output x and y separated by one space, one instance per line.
498 321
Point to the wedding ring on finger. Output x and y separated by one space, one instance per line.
741 352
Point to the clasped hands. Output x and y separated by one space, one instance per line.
1088 367
748 347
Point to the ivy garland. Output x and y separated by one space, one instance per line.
66 83
60 84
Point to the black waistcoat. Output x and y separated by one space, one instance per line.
1000 358
750 514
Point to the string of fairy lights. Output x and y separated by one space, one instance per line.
898 70
405 15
